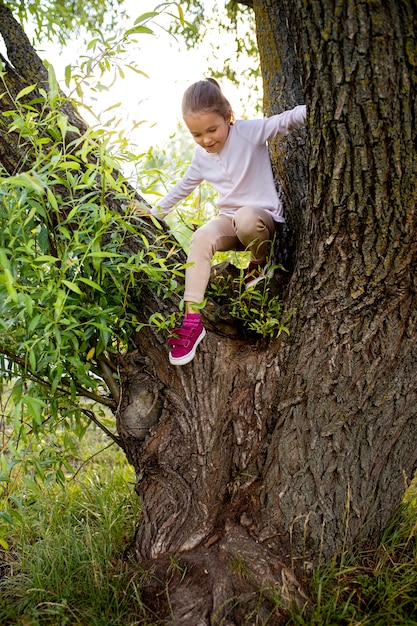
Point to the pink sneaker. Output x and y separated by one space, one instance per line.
186 339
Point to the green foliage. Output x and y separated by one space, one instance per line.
55 19
64 290
258 310
66 269
37 449
68 278
376 588
65 564
106 59
228 30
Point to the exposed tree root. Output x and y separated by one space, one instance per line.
231 580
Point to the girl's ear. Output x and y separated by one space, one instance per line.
229 116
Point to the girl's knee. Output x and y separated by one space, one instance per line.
252 221
245 220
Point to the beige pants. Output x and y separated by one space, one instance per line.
250 229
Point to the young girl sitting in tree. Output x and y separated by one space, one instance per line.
233 157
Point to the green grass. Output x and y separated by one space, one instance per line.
66 565
66 560
378 588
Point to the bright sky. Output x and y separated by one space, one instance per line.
156 100
150 108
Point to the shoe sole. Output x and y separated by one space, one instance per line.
183 360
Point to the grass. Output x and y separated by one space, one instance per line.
66 564
378 588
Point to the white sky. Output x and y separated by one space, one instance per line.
155 101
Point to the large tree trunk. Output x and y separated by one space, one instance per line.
348 439
260 458
300 448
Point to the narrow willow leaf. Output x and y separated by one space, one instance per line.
62 123
25 91
53 85
145 16
32 361
72 286
68 70
91 283
52 199
45 258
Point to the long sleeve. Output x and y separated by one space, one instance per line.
241 172
259 131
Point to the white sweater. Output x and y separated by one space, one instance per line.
241 172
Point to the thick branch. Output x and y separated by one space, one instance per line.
19 49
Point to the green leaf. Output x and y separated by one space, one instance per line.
53 85
9 282
68 70
3 543
32 485
52 199
91 283
145 17
34 322
45 258
180 14
25 91
62 123
32 361
136 30
72 286
138 71
69 165
29 181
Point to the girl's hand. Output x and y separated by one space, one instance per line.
140 209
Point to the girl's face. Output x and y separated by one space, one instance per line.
210 130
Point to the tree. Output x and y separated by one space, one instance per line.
261 459
54 18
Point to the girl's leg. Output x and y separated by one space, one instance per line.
255 228
217 235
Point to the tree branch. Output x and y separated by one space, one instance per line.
20 51
80 390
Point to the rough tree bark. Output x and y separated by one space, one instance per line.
260 458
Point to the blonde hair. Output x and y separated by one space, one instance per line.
205 96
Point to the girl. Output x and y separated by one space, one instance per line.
233 157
